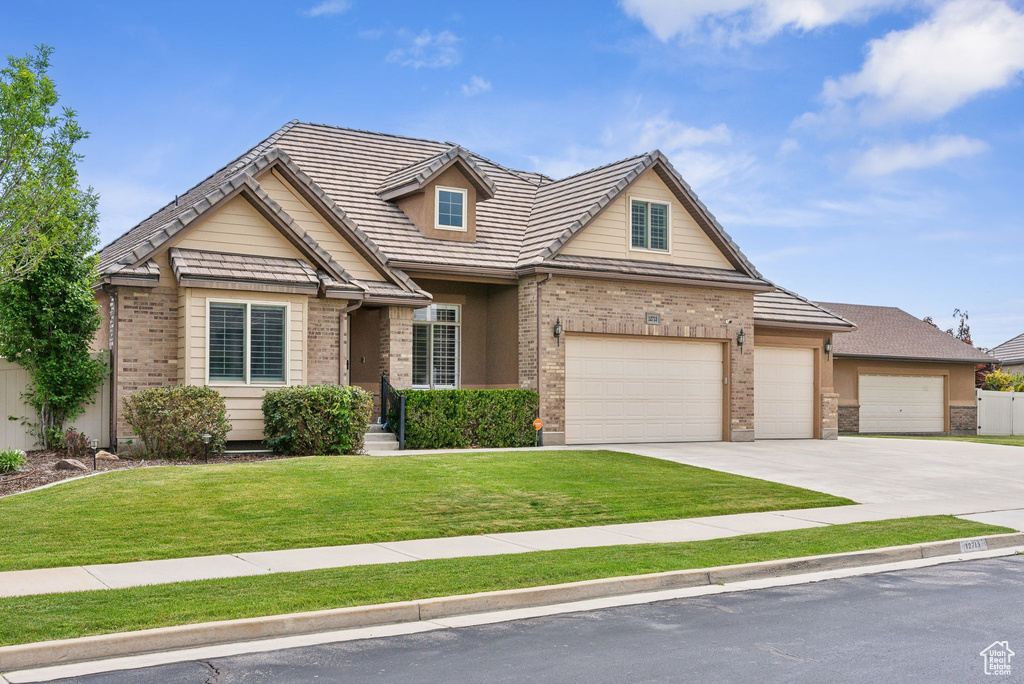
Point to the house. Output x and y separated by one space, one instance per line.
896 373
1010 354
327 255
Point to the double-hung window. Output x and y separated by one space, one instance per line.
648 225
436 332
449 208
247 343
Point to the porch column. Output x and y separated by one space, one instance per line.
396 345
829 414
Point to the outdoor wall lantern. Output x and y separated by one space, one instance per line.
828 347
740 339
558 331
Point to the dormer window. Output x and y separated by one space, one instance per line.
649 222
450 208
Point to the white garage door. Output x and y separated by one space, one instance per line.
622 389
902 403
783 393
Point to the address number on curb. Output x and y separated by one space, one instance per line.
969 545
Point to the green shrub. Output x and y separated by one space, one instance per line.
455 419
170 421
1001 381
11 460
316 419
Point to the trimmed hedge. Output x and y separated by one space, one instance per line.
457 419
171 421
316 419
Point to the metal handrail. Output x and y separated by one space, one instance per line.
392 410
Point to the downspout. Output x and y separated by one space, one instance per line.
113 331
343 342
540 282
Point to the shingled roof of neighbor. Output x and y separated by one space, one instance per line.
1011 351
888 332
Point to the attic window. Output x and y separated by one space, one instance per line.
450 208
648 225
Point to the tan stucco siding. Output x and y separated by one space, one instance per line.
608 234
960 382
243 401
237 228
420 207
326 236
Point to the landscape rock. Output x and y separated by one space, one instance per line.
70 464
102 455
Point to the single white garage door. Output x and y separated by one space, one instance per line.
625 389
783 393
902 403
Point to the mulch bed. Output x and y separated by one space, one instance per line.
41 470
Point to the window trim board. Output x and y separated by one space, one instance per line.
437 209
629 225
249 303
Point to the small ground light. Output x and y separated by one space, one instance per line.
206 441
94 445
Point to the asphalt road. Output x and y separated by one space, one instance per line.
925 625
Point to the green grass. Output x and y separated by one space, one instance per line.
1016 440
61 616
151 513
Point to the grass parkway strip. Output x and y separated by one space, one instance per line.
175 512
62 616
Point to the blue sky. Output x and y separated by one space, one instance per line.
866 151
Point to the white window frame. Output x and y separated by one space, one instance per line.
629 226
430 346
249 303
437 208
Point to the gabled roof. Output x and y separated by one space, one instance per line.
415 177
653 270
1011 351
219 266
891 333
782 308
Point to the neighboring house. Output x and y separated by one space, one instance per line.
1010 354
327 255
899 374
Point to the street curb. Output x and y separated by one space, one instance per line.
48 653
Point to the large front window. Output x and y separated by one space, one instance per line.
648 225
247 342
435 347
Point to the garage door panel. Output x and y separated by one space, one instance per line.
647 390
902 403
783 393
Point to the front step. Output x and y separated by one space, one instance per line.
377 440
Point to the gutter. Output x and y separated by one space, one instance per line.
912 359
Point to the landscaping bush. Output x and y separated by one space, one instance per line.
316 419
171 421
1001 381
12 460
76 444
453 419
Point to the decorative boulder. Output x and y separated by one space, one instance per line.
70 464
102 455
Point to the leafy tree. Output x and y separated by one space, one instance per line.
48 320
39 193
963 329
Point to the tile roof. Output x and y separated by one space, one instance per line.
888 332
525 221
654 269
412 178
194 263
789 308
1011 351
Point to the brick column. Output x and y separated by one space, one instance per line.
396 345
528 333
829 415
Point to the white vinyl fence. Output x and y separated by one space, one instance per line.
1000 413
95 422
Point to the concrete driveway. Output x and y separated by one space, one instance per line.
966 475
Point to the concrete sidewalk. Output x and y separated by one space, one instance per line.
122 575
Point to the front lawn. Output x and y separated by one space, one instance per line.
1016 440
62 616
150 513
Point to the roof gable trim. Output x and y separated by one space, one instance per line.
401 184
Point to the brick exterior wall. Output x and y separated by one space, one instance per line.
147 344
396 345
829 415
963 419
528 333
323 338
849 418
612 307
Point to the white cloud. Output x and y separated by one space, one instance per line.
475 86
882 160
328 8
966 48
426 49
735 21
788 146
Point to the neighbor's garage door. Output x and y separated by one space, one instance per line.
623 389
783 393
902 403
